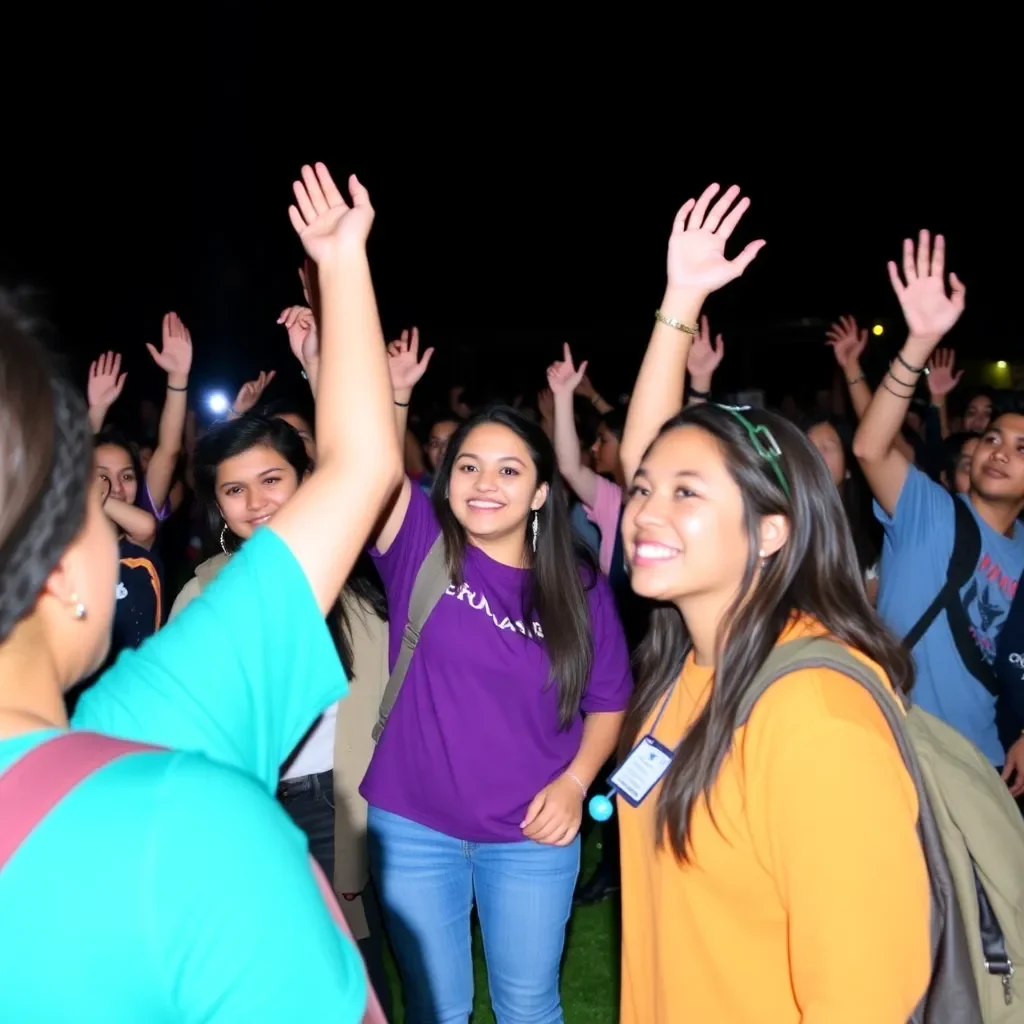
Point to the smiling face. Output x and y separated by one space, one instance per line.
493 485
997 467
114 466
252 486
683 527
978 414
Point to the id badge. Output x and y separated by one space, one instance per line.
642 770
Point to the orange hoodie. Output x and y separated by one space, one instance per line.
806 900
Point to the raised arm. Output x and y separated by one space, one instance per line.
563 379
304 341
405 369
328 520
696 267
930 313
175 358
703 360
942 378
138 525
105 384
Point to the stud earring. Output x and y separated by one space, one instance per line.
761 555
535 528
223 537
78 609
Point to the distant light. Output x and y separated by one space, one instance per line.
1001 365
218 403
877 330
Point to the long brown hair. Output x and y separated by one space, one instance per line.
814 573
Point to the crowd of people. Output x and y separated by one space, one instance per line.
404 644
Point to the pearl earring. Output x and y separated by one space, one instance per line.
78 609
761 555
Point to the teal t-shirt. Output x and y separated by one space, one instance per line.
171 886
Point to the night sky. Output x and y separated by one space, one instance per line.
509 217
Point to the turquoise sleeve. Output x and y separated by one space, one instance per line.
240 675
236 927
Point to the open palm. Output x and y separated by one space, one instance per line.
174 356
847 341
696 248
929 311
325 223
704 357
251 392
106 381
942 376
404 362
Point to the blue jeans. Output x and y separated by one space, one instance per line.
427 883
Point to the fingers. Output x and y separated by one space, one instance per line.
938 262
297 220
909 270
313 190
425 361
957 376
958 290
924 254
894 279
119 387
360 196
719 210
719 344
331 191
567 353
679 224
705 328
414 341
700 210
153 352
536 805
302 200
746 257
730 222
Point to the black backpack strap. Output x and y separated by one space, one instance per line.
952 982
429 587
963 560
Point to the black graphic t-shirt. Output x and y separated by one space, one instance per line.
139 611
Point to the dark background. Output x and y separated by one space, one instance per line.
515 209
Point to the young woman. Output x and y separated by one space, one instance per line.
188 896
774 871
245 471
512 703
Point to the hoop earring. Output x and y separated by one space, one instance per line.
535 527
78 610
223 535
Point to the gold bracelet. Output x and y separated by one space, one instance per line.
671 321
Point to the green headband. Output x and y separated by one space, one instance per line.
763 441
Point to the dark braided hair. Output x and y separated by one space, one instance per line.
45 464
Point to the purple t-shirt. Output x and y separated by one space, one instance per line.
474 735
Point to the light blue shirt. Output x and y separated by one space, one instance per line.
172 886
915 556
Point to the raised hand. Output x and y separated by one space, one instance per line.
298 321
175 354
847 341
929 311
324 222
106 381
251 391
704 358
941 379
404 362
696 248
563 376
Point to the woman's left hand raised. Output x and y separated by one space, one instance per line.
555 813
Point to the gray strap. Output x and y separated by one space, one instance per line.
429 587
952 982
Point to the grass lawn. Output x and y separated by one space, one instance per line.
590 969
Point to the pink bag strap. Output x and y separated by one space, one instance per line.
40 779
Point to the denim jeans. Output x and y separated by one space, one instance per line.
313 812
427 883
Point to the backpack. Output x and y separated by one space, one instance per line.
972 835
963 562
38 781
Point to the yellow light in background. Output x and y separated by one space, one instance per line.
877 330
1001 365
